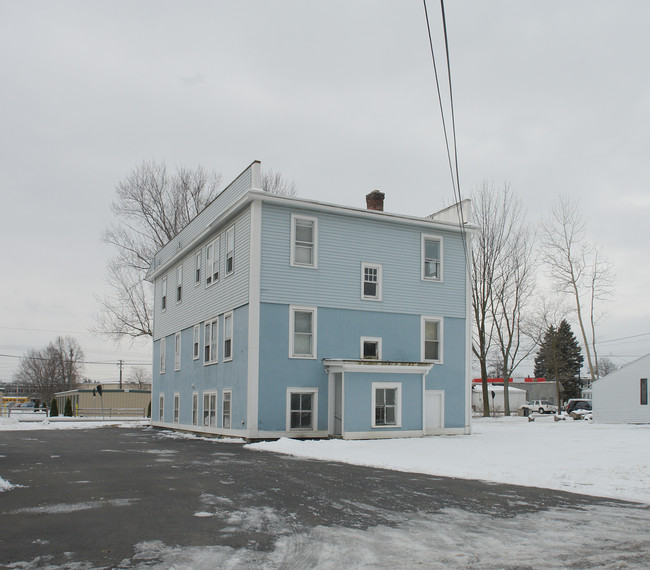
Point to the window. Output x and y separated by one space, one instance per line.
304 238
225 409
210 409
302 406
163 355
195 409
386 404
644 391
227 336
371 281
179 283
212 261
177 405
197 267
302 337
431 339
432 258
210 339
161 408
230 250
177 351
371 348
196 340
163 287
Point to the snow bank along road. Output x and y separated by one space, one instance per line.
125 497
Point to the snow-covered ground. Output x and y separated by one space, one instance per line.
577 456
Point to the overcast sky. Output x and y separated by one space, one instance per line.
338 95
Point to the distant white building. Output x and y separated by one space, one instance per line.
516 398
622 396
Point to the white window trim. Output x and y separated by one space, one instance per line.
422 252
292 261
198 259
376 339
195 408
214 358
163 294
163 354
176 413
223 399
179 284
177 351
210 263
380 288
229 231
314 323
209 395
314 410
196 342
161 408
398 404
232 331
441 336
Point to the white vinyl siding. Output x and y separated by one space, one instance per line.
431 258
230 250
431 338
210 341
226 402
177 351
371 278
386 404
227 336
304 241
196 340
302 335
163 354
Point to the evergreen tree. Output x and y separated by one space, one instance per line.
560 358
54 408
68 408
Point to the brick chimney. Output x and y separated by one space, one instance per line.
375 201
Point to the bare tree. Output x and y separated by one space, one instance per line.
151 207
140 375
605 367
577 268
275 183
55 368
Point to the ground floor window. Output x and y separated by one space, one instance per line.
161 408
302 407
225 409
386 404
210 409
195 409
177 405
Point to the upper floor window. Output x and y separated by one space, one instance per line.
163 354
230 250
227 336
210 340
163 293
177 351
212 261
304 240
432 258
371 281
371 348
302 333
179 283
195 344
198 258
644 391
431 339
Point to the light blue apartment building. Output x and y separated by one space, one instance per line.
285 317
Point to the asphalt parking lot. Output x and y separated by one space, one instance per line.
117 497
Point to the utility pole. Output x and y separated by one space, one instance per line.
121 362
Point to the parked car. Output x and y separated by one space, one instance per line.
541 406
575 404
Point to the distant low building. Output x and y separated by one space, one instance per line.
112 402
535 388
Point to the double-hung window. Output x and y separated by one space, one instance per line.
161 408
431 258
195 409
227 336
644 391
163 293
226 400
163 354
212 261
302 332
371 281
196 341
230 250
304 241
177 351
302 408
179 283
177 405
386 404
197 267
431 339
210 409
210 340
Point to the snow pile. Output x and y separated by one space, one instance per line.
5 485
14 424
576 456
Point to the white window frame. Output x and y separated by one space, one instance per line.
163 294
213 262
374 339
314 409
198 258
209 412
163 354
227 336
195 408
440 322
196 342
378 268
230 250
437 238
161 408
179 284
294 219
177 407
293 309
226 396
177 351
398 404
211 341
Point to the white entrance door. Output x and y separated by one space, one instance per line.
434 411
